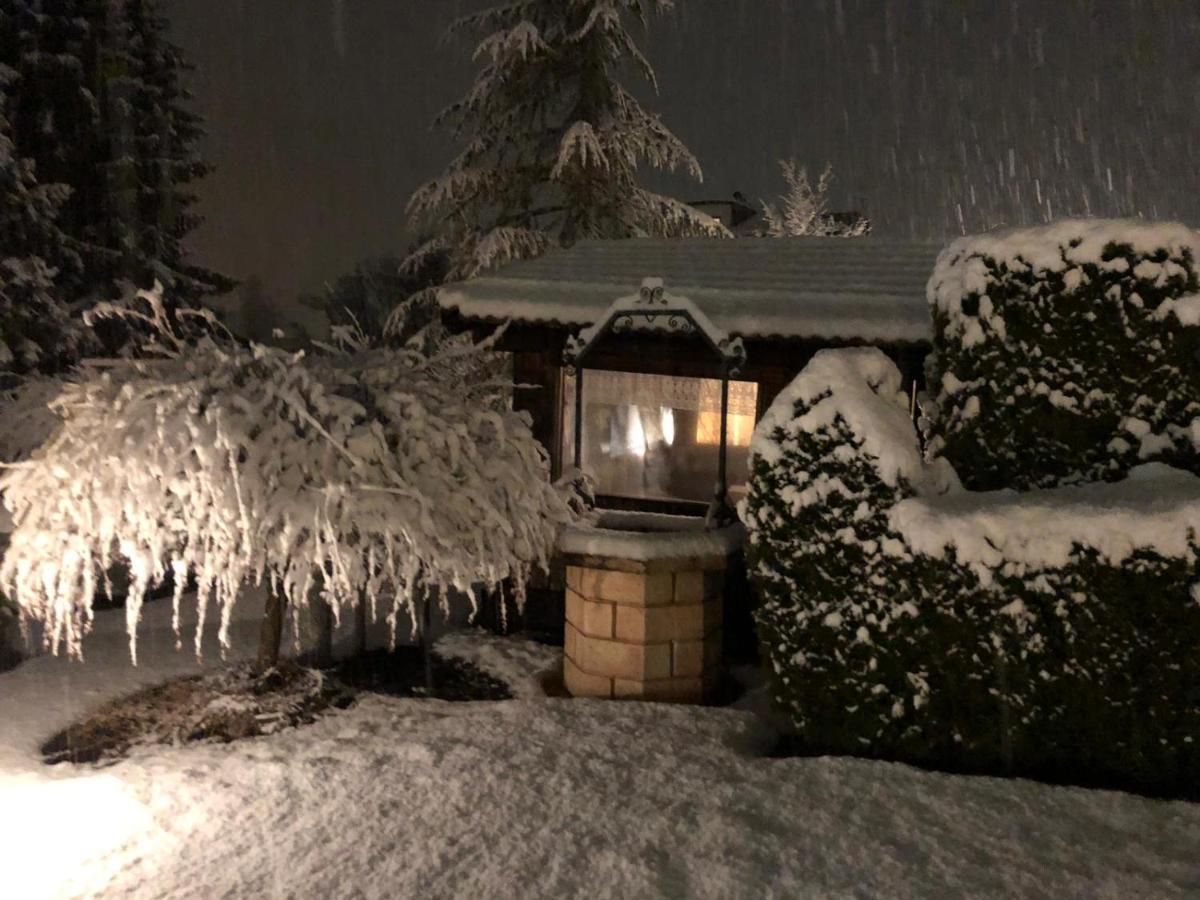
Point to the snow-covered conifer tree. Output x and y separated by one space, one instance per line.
37 331
165 134
552 139
371 476
805 208
367 296
96 103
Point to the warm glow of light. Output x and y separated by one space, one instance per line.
739 429
668 425
67 836
635 436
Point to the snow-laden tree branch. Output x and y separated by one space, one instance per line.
364 476
548 127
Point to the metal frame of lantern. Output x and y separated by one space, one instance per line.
678 316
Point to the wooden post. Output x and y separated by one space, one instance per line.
322 619
360 625
427 638
578 418
270 634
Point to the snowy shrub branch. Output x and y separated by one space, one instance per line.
1067 352
804 209
364 476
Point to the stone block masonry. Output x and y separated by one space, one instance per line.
648 630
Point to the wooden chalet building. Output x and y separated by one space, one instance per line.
785 298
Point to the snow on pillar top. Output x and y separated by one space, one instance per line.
653 291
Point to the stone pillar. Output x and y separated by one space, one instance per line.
643 630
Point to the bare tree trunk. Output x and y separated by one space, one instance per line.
322 619
427 639
270 635
360 625
1006 747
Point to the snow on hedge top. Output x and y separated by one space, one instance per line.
1155 508
1066 246
869 288
862 386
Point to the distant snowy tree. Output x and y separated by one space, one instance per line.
367 476
97 105
804 209
553 141
367 296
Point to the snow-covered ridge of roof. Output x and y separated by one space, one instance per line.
1156 507
652 309
832 288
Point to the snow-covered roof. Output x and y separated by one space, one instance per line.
867 288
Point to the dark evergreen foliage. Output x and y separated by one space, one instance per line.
552 142
1086 674
95 113
367 296
1067 367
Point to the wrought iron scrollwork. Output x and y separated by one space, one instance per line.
651 305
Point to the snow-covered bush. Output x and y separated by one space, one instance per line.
364 476
1046 633
804 209
26 421
1089 598
1066 353
26 417
841 618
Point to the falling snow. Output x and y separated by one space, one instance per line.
939 116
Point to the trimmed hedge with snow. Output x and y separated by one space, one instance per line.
842 618
1049 633
1066 353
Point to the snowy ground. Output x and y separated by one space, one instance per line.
533 797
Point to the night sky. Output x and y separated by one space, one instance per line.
938 115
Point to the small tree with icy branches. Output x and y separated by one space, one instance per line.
369 476
805 208
553 140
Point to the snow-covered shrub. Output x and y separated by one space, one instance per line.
26 417
804 209
366 476
26 421
842 619
1050 632
1089 598
1066 353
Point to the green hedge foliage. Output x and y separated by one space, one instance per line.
1066 353
1087 672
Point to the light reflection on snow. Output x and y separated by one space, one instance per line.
59 835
